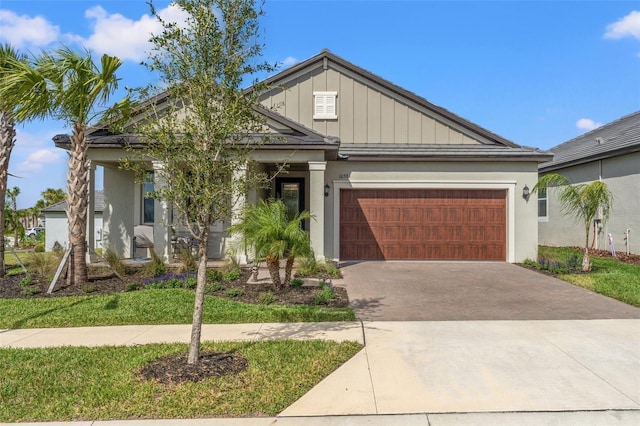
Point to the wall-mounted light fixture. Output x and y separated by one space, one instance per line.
526 193
326 190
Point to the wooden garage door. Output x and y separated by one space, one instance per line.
422 224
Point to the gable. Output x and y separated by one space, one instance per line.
369 109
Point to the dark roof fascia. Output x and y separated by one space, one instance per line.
590 159
326 54
440 153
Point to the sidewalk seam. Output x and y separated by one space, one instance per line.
366 354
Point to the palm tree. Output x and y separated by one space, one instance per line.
266 229
8 57
582 201
13 194
68 85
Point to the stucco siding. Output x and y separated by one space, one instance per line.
57 230
522 234
622 175
119 212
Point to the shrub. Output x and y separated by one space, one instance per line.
186 257
296 282
156 267
131 287
30 290
213 287
266 298
309 267
111 257
213 275
232 275
26 281
39 248
172 280
42 264
322 296
234 292
88 287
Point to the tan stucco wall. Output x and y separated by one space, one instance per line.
622 175
522 233
118 215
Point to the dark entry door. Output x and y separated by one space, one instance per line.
291 192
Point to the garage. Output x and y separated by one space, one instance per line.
423 224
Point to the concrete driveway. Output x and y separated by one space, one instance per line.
459 291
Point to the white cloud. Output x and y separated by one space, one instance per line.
289 61
25 31
120 36
587 124
629 26
37 160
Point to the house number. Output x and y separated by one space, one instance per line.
344 175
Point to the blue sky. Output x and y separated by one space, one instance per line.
535 72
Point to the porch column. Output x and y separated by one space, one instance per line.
91 209
316 206
161 218
239 201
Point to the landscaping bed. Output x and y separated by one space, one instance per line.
103 281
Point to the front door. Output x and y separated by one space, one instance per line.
291 192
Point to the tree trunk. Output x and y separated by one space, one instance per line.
77 201
7 141
287 271
273 265
586 261
196 326
14 209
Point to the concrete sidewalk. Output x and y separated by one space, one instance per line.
430 373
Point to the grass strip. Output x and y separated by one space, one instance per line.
170 306
609 276
80 383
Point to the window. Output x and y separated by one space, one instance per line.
147 200
324 105
543 212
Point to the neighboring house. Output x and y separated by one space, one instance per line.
610 153
385 173
57 225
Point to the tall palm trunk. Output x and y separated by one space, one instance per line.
196 326
77 201
7 141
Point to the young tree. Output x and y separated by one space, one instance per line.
204 132
8 59
273 236
13 193
582 201
67 85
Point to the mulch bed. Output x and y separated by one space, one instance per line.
173 369
107 283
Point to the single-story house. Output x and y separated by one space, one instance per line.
610 153
386 174
57 226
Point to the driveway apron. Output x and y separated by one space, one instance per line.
468 291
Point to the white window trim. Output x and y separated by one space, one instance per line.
546 200
325 106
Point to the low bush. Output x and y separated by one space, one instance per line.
213 275
324 295
232 275
234 292
213 287
296 282
266 298
172 280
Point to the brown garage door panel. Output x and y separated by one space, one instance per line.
422 224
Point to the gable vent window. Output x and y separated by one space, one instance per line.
324 105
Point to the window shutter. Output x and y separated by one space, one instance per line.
324 106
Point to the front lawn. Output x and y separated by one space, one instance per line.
80 383
609 276
167 306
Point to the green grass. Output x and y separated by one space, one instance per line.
170 306
80 383
609 276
